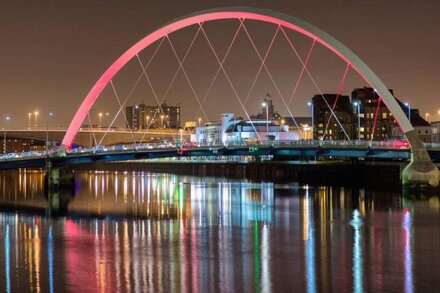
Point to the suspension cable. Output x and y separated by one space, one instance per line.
338 93
187 77
303 67
219 67
171 83
271 78
261 65
375 119
133 88
314 83
230 82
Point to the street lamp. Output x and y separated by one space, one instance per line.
161 117
427 116
36 118
148 119
7 119
100 119
264 104
49 114
358 107
200 121
29 116
409 111
310 104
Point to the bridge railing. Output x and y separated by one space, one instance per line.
391 145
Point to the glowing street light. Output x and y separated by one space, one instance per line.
358 105
264 104
36 118
161 117
29 117
427 116
409 111
48 115
310 104
148 119
200 121
7 119
100 119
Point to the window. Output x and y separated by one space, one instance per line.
384 115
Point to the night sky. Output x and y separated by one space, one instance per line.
52 52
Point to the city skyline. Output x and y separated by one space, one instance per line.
62 51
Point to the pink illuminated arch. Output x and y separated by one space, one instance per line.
243 13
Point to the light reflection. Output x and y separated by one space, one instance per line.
201 235
406 224
7 259
309 234
356 223
50 259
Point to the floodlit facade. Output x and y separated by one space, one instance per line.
231 131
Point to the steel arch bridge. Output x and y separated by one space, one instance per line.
421 162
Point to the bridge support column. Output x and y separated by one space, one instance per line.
421 171
59 179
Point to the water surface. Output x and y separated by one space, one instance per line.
139 232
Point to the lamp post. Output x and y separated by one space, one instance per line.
7 119
100 119
200 121
310 104
49 114
264 104
358 107
36 118
29 122
409 111
148 119
161 118
427 116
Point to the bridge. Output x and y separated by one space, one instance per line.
420 170
88 137
303 150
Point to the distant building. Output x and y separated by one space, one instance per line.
304 125
267 111
229 130
435 131
368 107
146 117
386 126
423 128
325 124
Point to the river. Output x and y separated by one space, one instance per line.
145 232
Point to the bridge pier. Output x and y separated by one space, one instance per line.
421 171
59 188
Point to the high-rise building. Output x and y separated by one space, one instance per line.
146 117
326 126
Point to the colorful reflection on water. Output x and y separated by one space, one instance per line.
139 232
